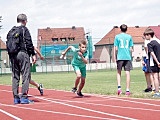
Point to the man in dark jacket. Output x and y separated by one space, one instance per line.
21 62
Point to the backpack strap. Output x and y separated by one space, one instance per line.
24 39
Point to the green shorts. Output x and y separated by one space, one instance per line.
81 69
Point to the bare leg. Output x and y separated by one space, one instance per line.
148 79
81 84
34 83
156 81
78 74
127 80
152 81
119 77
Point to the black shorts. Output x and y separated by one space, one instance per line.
147 67
127 64
155 69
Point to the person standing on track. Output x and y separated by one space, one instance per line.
123 48
79 61
21 62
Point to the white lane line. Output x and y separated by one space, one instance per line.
54 112
115 98
96 104
86 109
9 114
112 105
96 95
112 98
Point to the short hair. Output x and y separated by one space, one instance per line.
123 28
149 31
84 42
21 18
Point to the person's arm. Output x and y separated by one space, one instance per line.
39 54
29 44
85 60
115 53
155 58
64 53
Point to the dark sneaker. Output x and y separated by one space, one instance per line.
26 101
74 90
80 94
17 101
40 88
148 90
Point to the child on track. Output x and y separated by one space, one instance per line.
79 61
32 82
123 47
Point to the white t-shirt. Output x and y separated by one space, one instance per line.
145 45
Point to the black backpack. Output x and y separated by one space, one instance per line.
13 41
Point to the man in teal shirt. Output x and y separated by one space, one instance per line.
123 48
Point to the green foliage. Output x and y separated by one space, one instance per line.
97 82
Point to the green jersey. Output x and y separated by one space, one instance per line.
77 60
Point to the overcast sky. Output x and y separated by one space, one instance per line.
96 16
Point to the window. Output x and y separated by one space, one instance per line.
54 40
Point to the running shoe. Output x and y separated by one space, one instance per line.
119 92
156 95
153 92
26 101
17 101
128 93
80 94
40 88
148 90
74 89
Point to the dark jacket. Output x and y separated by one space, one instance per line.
26 43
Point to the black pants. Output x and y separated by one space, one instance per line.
20 65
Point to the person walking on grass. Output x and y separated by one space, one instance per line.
154 51
79 61
20 61
32 82
123 48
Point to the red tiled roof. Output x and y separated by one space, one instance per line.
135 32
47 34
156 30
2 45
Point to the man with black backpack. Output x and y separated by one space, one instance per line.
20 48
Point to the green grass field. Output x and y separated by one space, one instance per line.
97 82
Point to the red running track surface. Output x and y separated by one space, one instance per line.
64 105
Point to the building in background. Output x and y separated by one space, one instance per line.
4 59
104 48
52 41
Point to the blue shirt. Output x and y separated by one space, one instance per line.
77 60
123 42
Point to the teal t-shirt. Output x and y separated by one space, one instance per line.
123 42
77 60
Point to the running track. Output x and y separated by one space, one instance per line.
63 105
